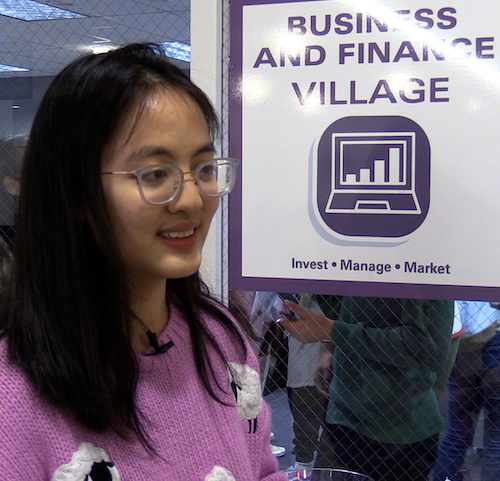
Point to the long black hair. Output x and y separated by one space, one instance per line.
67 314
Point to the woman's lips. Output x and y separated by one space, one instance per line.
184 239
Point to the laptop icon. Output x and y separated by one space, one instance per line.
373 173
371 177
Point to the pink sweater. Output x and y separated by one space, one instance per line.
196 438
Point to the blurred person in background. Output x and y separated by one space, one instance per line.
307 404
11 158
383 417
474 384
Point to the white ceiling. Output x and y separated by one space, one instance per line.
45 47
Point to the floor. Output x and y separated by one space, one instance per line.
283 433
282 425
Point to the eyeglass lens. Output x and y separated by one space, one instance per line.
161 183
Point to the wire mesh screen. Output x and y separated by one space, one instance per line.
37 40
392 370
397 379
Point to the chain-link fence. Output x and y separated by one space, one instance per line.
393 368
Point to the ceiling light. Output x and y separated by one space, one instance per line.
29 10
11 68
98 48
178 50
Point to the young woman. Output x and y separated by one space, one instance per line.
114 362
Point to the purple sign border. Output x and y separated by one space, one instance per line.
354 288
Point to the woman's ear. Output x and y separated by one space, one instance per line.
11 185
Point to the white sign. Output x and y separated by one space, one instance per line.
369 136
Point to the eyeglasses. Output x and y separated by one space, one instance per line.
162 184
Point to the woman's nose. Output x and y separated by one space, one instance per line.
189 198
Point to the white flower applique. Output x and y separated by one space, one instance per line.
87 464
245 383
220 474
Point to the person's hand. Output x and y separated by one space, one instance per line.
324 370
310 325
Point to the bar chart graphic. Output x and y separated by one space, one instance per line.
386 171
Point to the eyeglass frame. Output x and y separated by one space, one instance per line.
195 173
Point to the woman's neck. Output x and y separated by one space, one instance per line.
151 307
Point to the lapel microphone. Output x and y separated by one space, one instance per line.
153 341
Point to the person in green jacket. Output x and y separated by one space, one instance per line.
383 415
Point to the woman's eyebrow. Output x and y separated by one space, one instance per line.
152 151
149 151
207 148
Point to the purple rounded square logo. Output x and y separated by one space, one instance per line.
373 176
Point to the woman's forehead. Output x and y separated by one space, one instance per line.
163 117
158 102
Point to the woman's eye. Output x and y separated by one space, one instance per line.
155 175
207 171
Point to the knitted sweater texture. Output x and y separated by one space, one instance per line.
195 437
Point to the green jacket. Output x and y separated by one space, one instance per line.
387 353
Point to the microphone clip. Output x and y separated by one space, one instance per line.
153 341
